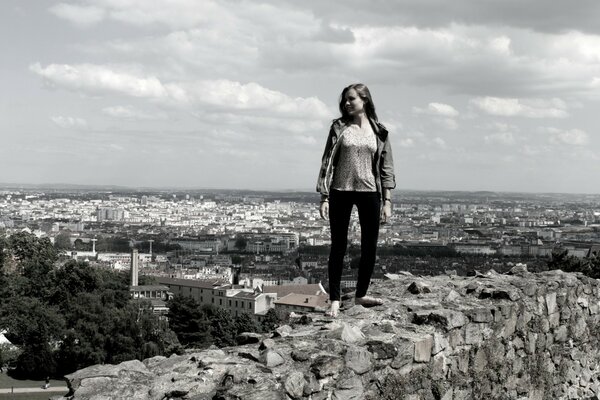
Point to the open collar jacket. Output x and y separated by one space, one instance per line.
383 162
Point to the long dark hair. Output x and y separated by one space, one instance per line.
363 91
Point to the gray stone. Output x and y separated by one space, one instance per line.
481 315
523 319
583 302
447 319
271 358
519 269
530 344
283 331
560 334
473 334
327 365
452 296
480 360
438 368
551 303
346 333
554 320
440 343
460 394
509 326
406 353
348 388
382 350
312 385
248 338
423 349
300 355
358 359
294 385
418 288
253 355
456 337
266 344
578 330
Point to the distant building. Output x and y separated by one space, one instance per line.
294 302
234 298
157 295
110 214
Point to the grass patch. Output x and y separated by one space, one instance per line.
29 396
8 382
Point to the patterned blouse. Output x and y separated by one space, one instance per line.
354 170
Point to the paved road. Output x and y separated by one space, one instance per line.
61 389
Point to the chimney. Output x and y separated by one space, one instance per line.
134 267
235 275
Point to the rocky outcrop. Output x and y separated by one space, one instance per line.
521 336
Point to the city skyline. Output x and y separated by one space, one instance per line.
239 95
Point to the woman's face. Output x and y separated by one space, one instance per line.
353 104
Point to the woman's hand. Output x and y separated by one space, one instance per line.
386 211
324 209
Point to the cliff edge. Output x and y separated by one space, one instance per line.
515 336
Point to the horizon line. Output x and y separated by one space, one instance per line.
82 186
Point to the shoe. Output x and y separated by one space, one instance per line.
368 301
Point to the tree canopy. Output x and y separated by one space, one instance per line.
67 317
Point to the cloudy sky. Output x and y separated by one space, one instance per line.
498 95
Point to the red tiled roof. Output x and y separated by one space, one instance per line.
304 300
205 284
310 289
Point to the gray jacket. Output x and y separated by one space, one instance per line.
383 163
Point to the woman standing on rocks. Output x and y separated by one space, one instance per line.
357 169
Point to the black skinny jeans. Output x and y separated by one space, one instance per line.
340 208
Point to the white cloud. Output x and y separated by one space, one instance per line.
442 109
448 123
439 142
69 122
406 142
79 15
513 107
222 94
501 45
307 140
129 112
572 137
177 13
500 126
505 138
97 78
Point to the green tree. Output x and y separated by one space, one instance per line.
245 323
8 355
69 317
189 322
35 260
224 329
34 327
74 278
240 243
62 241
270 321
236 259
